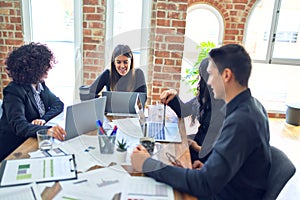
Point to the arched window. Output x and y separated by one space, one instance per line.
272 34
203 23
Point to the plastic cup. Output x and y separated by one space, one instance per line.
107 143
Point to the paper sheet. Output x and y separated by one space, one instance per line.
96 184
22 171
22 192
130 126
138 187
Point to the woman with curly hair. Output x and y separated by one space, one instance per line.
122 76
205 109
28 103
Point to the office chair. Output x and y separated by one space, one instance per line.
87 92
282 169
1 108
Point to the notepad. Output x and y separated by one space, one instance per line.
22 171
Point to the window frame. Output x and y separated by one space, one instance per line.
269 59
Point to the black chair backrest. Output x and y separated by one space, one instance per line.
282 169
0 108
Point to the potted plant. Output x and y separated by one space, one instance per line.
121 150
122 145
192 73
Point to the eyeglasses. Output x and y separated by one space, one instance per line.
173 160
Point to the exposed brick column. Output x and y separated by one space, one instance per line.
93 39
168 20
10 34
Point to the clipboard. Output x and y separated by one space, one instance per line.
39 170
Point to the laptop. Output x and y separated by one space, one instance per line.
81 118
168 133
124 103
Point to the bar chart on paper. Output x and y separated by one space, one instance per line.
146 188
21 171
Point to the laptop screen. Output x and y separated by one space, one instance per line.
124 102
81 118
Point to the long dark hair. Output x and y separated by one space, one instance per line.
203 106
114 75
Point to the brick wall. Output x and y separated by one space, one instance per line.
93 38
166 50
10 34
168 20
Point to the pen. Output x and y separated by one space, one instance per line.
114 132
99 124
164 117
82 181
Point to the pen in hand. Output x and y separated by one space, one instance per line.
164 117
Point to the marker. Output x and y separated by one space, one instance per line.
99 124
114 132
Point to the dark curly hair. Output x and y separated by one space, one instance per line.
28 64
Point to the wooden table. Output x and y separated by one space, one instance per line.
181 151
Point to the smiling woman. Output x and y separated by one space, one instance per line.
122 76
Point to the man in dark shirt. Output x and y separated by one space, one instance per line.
239 164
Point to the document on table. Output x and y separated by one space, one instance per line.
138 187
98 184
21 171
23 192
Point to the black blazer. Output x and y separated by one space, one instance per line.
19 110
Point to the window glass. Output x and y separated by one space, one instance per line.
287 42
127 23
53 25
258 30
271 18
203 23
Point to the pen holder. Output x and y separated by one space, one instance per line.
107 143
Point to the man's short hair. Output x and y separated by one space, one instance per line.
234 57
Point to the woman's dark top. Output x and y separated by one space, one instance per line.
211 121
104 81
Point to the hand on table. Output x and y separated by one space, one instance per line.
58 132
138 157
40 122
167 95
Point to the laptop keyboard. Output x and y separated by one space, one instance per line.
156 130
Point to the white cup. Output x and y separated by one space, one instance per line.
45 140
